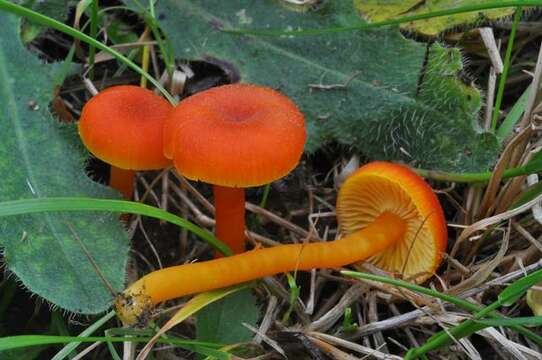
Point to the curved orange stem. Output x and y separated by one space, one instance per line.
230 217
176 281
123 181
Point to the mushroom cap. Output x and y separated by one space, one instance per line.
382 186
236 135
123 126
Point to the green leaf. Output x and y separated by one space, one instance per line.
514 115
23 354
383 112
527 195
222 321
66 350
516 290
534 300
524 321
535 164
119 32
56 9
381 10
39 158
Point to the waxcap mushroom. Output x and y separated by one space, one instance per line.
234 136
123 126
382 186
237 135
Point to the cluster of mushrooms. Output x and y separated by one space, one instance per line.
242 135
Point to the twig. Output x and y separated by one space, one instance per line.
527 235
492 48
537 208
535 86
484 223
280 221
335 86
275 345
267 319
353 346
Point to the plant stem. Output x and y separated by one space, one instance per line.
93 34
265 196
504 75
470 177
145 56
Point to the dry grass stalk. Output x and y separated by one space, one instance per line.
326 321
375 353
488 201
487 222
481 275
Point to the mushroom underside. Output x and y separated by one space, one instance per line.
415 256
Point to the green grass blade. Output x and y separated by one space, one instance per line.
530 193
513 116
470 326
68 30
93 34
504 75
488 311
265 195
525 321
26 206
22 341
416 288
533 166
404 19
66 350
517 289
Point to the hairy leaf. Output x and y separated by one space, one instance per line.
368 90
39 159
57 9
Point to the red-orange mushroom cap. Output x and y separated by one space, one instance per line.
236 135
383 186
123 126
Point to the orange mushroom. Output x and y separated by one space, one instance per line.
392 218
234 136
123 126
380 187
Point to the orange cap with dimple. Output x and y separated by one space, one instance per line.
123 126
236 135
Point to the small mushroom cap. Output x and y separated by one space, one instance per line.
123 126
383 186
236 135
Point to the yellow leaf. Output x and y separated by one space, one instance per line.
195 304
381 10
534 300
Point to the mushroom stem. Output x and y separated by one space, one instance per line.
122 180
230 217
176 281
